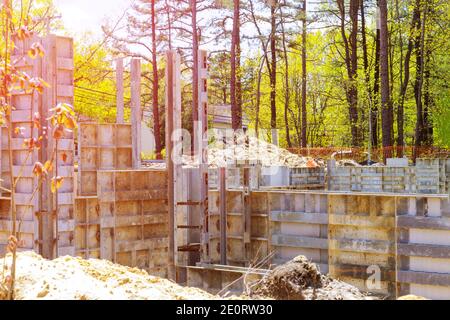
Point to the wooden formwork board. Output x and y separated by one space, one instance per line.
133 218
399 179
431 176
424 249
361 241
237 254
299 226
87 227
102 147
307 176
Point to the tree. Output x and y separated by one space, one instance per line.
304 71
236 106
386 105
351 62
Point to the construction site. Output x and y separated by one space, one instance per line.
244 219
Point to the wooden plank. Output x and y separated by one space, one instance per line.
426 278
362 245
136 111
25 226
299 217
281 240
147 244
423 250
417 222
361 272
362 221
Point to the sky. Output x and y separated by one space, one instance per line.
80 16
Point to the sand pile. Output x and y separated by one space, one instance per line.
299 279
76 278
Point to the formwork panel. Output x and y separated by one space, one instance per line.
362 238
298 226
133 218
424 250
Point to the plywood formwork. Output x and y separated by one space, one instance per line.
361 240
430 175
299 226
133 218
102 147
238 254
424 247
307 177
372 179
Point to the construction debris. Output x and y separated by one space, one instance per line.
300 279
75 278
255 151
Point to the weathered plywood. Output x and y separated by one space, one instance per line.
362 241
102 147
133 213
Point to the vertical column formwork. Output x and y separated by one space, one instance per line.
25 104
36 206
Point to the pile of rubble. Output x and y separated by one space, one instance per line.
255 151
300 279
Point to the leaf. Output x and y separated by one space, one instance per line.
56 183
58 132
32 53
69 122
48 166
38 169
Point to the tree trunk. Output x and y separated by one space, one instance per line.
273 74
419 44
304 111
351 62
286 83
236 118
156 122
376 91
384 75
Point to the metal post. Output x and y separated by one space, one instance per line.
119 90
169 161
223 215
136 111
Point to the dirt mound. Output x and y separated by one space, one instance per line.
79 279
300 279
412 297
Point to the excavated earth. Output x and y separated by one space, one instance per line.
300 279
76 278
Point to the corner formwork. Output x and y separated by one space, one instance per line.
121 212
